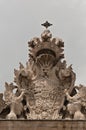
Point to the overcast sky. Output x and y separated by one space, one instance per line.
20 21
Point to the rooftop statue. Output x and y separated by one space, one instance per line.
45 88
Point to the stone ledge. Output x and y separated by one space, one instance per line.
42 125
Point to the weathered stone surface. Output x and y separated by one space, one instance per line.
43 125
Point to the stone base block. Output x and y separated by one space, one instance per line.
42 125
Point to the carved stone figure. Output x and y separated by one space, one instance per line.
76 102
13 101
40 85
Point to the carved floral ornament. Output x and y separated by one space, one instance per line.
44 88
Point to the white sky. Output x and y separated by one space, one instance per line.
20 21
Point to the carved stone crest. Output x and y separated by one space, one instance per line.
40 86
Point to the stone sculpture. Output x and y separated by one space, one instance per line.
45 88
76 103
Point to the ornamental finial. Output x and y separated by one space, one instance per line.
46 24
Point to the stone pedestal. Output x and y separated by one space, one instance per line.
42 125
